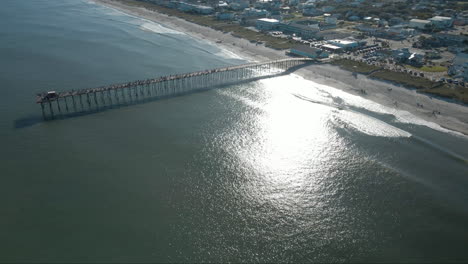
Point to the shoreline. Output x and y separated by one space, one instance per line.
453 116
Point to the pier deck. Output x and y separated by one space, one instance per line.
161 86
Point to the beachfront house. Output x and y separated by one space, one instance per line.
188 7
267 24
406 56
441 22
309 52
303 29
419 23
344 43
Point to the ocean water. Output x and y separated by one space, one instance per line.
277 170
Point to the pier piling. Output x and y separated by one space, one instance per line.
139 91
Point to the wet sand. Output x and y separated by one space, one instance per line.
453 116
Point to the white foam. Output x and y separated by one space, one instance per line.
143 23
369 125
401 116
159 29
228 54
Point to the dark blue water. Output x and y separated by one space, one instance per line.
277 170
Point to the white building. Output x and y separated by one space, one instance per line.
419 23
441 22
267 24
343 43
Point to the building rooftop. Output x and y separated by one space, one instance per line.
307 49
440 18
332 47
420 20
268 20
342 41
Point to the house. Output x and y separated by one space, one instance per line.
303 29
252 12
239 4
395 21
459 67
332 48
441 22
419 23
328 8
266 24
416 59
311 11
332 34
309 52
401 31
406 56
330 20
263 4
293 2
343 43
187 7
383 23
401 55
308 4
367 29
203 9
223 5
451 39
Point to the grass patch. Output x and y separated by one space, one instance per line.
429 68
422 84
355 66
447 91
404 79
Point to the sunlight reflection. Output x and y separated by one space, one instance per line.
293 145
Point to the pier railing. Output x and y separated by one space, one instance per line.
53 103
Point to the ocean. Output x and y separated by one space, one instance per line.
276 170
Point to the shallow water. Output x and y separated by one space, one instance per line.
276 170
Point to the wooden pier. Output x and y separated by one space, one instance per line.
58 103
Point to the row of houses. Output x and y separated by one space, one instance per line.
308 52
303 29
438 22
188 7
397 32
306 29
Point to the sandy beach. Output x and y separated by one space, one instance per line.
453 116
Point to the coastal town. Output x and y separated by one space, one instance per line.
419 44
234 131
